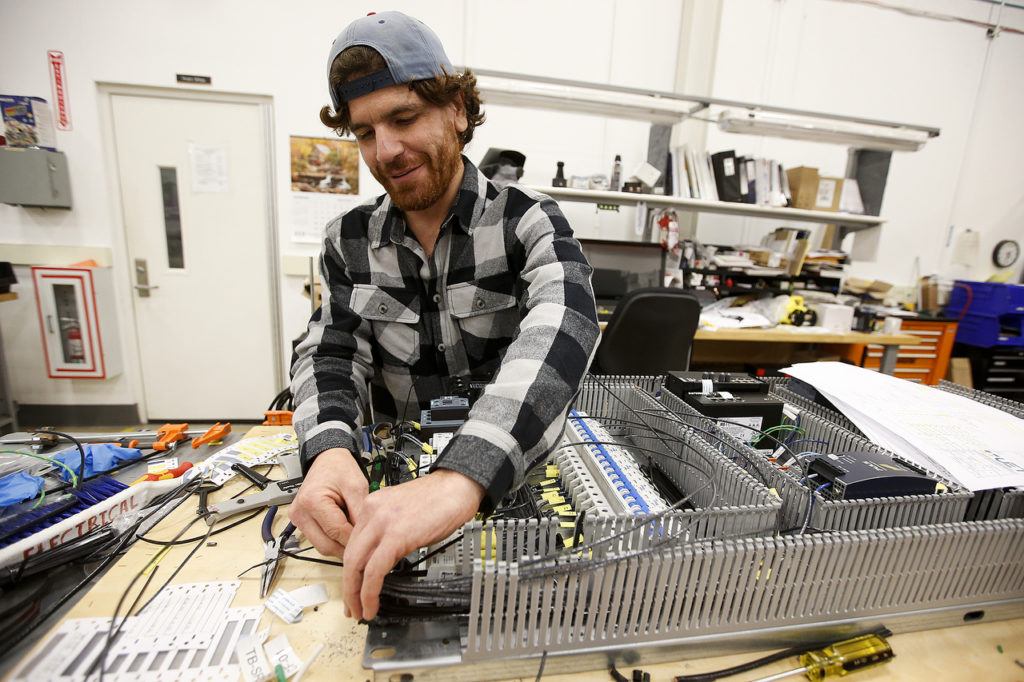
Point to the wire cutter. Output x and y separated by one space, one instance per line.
272 547
272 493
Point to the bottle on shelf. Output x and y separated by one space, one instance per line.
616 182
559 179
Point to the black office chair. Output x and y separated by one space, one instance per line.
650 332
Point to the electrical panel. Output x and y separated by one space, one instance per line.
34 177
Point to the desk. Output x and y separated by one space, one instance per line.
777 345
963 653
719 344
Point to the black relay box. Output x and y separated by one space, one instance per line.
446 413
740 399
863 474
681 383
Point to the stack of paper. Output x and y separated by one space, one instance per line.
972 444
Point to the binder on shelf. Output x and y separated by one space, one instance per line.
679 174
696 181
762 186
709 177
727 177
751 195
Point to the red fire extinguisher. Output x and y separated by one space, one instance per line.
76 349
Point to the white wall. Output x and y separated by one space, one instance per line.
280 49
815 54
864 61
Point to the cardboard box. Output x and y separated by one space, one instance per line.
27 122
813 191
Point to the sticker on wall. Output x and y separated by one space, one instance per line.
209 167
59 87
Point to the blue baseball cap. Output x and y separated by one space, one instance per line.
410 49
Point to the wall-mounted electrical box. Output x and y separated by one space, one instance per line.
34 177
76 305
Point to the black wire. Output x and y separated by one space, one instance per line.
145 586
281 400
105 561
311 559
81 452
436 551
202 541
112 632
172 543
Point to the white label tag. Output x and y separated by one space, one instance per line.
728 166
254 663
310 595
284 607
280 652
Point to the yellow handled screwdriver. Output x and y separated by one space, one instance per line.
839 659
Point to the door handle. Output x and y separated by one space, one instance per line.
142 285
49 324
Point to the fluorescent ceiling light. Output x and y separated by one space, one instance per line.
859 135
582 99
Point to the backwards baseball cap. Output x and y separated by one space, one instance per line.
410 49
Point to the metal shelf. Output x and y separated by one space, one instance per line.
849 220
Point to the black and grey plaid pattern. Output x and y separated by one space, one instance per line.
507 293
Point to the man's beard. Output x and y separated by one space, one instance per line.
440 167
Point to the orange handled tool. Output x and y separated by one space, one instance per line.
215 434
169 434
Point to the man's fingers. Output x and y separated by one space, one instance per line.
331 520
324 544
380 563
357 553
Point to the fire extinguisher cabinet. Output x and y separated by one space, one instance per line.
77 322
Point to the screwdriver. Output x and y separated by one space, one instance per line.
839 659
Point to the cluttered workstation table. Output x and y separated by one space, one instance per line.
331 646
780 343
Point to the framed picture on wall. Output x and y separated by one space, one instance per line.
323 164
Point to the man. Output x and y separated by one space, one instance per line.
442 276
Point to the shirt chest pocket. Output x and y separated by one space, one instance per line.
394 317
482 312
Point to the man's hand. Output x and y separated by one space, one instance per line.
328 504
396 520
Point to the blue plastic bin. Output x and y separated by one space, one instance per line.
986 298
988 330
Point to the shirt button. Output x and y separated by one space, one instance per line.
479 303
437 298
440 348
382 308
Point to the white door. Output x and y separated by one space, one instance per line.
195 184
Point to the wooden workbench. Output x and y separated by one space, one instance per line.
786 344
965 653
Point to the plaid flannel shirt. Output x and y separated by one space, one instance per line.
506 292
